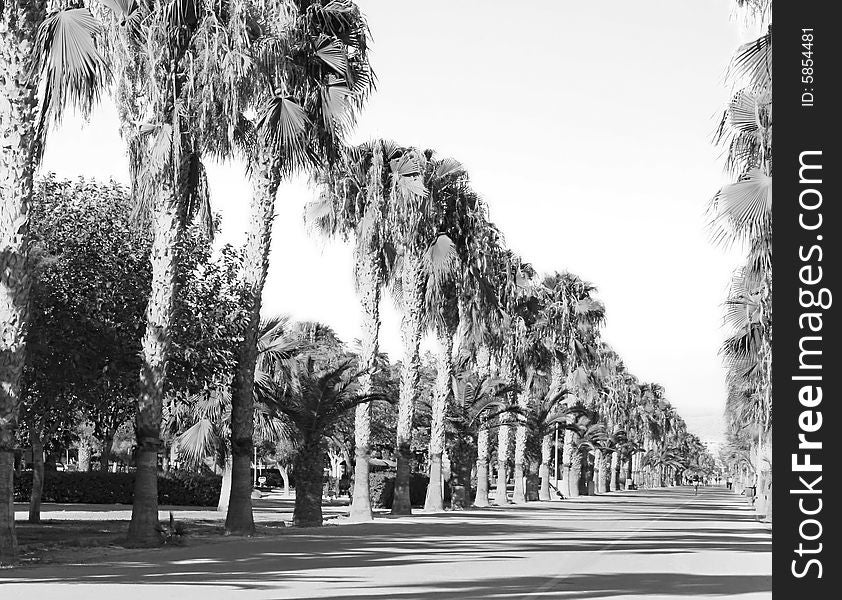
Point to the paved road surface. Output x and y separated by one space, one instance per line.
650 544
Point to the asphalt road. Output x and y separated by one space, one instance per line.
648 544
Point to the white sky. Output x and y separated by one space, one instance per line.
585 125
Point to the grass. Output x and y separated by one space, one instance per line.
60 541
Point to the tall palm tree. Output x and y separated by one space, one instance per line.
531 357
34 94
311 74
511 278
479 316
354 197
570 323
151 44
425 254
449 312
742 214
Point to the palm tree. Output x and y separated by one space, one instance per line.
152 45
26 29
511 279
742 214
352 204
548 414
319 395
424 254
313 73
479 316
448 310
570 323
531 356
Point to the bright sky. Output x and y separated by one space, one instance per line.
585 125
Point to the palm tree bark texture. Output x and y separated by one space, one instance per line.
434 501
544 469
266 178
484 370
501 494
504 430
18 151
309 475
481 498
613 481
519 494
412 282
572 463
143 528
368 278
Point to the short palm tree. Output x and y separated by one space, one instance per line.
476 401
205 430
316 398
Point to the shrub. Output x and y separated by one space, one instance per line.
177 487
382 488
187 488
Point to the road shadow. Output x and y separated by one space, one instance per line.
580 587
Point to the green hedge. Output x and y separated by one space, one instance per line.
382 488
182 488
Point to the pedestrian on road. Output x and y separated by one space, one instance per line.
729 482
695 485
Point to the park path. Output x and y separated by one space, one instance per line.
647 544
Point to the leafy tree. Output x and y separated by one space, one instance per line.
90 278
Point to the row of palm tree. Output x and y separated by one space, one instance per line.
515 352
277 84
742 216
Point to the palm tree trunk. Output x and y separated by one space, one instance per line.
483 360
481 498
575 466
519 494
18 152
571 463
84 462
285 476
501 496
368 278
544 469
614 481
434 501
266 178
35 494
309 469
225 490
412 283
628 473
460 480
143 528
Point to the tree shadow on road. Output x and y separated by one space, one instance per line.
580 587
